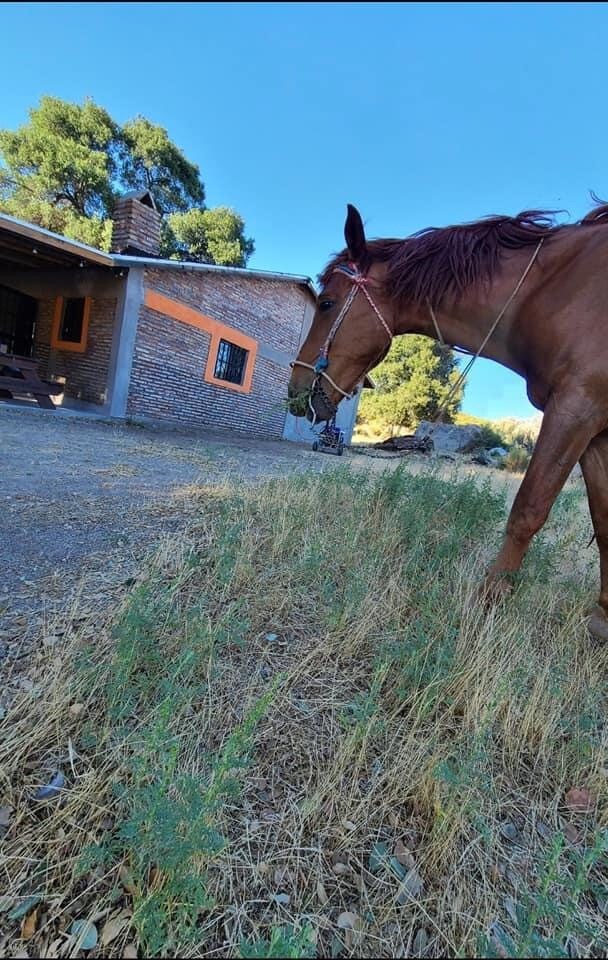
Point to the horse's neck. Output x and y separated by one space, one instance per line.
466 322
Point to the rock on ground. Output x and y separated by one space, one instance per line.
449 438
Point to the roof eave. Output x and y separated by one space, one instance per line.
124 260
84 251
55 240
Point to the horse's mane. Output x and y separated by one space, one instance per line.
599 214
426 266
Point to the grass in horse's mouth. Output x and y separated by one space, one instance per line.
301 736
298 403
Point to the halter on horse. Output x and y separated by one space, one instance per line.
359 282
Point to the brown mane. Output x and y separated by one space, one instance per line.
440 260
597 215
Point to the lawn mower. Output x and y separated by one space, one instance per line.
330 440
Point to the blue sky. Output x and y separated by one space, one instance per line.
419 114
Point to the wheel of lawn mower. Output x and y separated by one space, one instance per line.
315 445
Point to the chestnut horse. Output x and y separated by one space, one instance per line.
532 295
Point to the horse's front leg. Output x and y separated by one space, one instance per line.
595 471
569 423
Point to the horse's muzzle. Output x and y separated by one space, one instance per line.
310 400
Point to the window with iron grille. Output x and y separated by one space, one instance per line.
230 362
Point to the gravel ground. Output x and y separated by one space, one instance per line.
83 501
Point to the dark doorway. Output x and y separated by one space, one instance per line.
17 322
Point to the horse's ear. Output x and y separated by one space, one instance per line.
354 234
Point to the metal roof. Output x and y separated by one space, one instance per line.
127 260
27 244
144 196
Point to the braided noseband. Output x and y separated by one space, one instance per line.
359 282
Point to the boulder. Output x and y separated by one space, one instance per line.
490 458
449 438
483 459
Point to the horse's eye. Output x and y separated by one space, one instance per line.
326 305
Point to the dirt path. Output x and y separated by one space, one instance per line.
82 501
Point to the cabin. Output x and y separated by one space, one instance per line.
128 334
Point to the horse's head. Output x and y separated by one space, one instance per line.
350 333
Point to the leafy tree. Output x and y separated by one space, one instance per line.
413 382
66 166
212 236
153 162
58 169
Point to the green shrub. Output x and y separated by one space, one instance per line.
516 460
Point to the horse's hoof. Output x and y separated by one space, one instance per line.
597 624
495 589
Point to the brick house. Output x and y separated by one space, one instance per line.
131 335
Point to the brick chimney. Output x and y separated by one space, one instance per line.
136 225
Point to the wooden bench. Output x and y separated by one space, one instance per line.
20 375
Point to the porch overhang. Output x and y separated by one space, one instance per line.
26 246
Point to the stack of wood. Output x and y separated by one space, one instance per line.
406 444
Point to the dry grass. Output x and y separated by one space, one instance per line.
301 736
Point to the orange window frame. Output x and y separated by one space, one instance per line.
72 345
239 340
217 331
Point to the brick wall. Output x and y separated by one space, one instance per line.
42 333
170 356
135 226
86 374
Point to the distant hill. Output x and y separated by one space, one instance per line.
507 431
532 422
